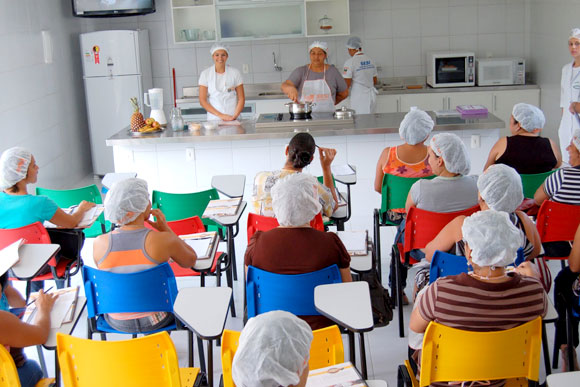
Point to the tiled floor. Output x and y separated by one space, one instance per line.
385 350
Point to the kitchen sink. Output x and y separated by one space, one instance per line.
271 93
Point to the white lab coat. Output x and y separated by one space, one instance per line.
363 95
569 92
221 89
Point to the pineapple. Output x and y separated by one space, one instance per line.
137 120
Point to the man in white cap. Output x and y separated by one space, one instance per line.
570 93
221 87
360 73
317 82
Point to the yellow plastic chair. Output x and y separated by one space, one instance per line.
9 374
451 354
326 350
146 361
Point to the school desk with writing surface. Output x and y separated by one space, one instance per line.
229 185
33 258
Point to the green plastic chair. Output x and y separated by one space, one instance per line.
531 182
71 197
394 192
176 206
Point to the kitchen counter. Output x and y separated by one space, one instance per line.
257 93
363 124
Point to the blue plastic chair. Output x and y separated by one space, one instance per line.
293 293
444 264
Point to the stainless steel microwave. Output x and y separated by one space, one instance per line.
450 68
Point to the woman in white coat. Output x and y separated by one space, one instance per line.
570 94
221 88
360 74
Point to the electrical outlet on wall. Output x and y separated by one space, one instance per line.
189 154
475 141
245 68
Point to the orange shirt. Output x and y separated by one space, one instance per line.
394 166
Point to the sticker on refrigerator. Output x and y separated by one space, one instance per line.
88 57
96 50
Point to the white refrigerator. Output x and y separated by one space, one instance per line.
116 67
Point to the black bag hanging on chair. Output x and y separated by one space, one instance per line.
381 302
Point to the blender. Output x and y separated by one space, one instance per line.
155 99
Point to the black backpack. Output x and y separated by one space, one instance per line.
381 302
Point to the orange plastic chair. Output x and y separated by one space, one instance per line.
35 233
557 222
265 223
421 227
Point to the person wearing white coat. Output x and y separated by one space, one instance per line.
360 73
221 88
570 94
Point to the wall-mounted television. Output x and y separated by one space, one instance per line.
112 8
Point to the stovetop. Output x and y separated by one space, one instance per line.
283 120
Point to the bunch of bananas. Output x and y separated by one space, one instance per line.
150 126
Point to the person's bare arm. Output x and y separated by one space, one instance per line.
348 82
409 203
345 274
340 96
290 90
203 101
574 258
15 299
375 80
496 151
241 101
531 234
417 323
326 156
557 153
167 243
541 194
16 333
447 237
62 219
379 174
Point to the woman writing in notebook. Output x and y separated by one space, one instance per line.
18 208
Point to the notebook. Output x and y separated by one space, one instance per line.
202 243
88 218
63 310
343 374
354 241
222 207
9 256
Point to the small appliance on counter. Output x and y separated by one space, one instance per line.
501 71
154 99
450 68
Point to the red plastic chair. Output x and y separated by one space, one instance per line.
557 222
421 227
265 223
35 233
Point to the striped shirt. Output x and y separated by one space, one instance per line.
563 186
464 302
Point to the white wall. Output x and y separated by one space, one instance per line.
42 105
395 34
550 25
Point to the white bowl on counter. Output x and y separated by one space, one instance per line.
210 125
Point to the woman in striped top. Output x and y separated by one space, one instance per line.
487 299
563 186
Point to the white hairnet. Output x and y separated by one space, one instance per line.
14 164
295 199
501 188
219 46
273 351
322 45
529 116
492 238
454 153
354 43
576 138
416 126
574 34
129 195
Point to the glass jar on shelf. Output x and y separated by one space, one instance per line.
325 24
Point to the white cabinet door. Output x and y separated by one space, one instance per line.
388 103
433 101
469 98
504 101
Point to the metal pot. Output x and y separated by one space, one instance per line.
343 113
299 108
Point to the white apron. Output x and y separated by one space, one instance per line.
224 101
363 95
569 122
317 92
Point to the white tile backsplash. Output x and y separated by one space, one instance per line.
407 51
160 63
491 19
463 20
491 45
184 62
435 21
406 22
377 24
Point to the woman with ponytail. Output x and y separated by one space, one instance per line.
299 154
